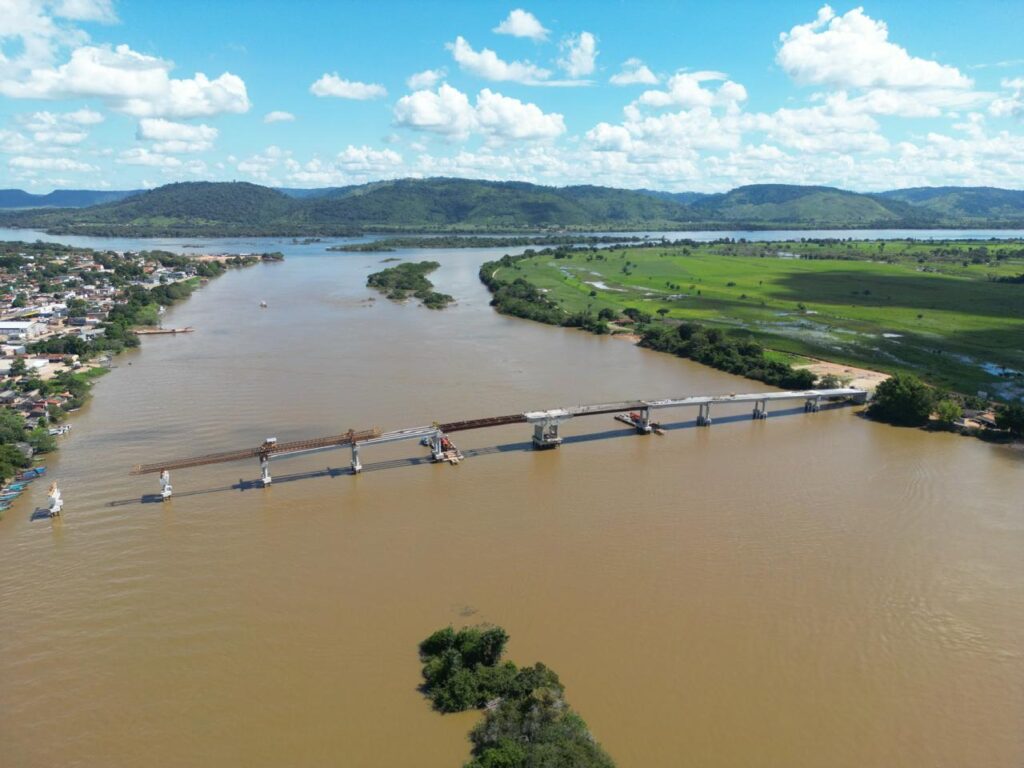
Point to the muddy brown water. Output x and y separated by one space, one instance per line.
810 590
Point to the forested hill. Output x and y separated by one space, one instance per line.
443 204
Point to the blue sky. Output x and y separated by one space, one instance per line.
669 95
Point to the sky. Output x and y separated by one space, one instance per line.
680 96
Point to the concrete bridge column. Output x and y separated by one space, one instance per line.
704 415
357 467
545 434
760 410
265 477
165 485
645 421
813 404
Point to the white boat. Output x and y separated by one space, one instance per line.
263 305
56 500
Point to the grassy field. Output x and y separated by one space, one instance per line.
926 307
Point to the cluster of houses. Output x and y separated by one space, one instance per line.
74 302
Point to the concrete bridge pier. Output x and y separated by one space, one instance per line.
760 410
644 427
545 435
704 415
165 486
812 405
265 477
357 467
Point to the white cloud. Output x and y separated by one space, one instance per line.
368 160
332 85
131 82
1012 104
171 137
87 10
486 64
448 112
24 162
505 117
634 72
428 78
522 23
146 157
685 90
853 51
278 116
580 53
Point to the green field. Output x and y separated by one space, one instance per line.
932 308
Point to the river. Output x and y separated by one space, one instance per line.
810 590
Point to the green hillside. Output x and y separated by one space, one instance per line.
784 204
445 204
981 205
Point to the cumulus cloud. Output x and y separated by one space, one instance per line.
489 66
449 112
510 118
352 165
579 55
854 51
634 72
131 82
446 111
685 90
428 78
1011 104
278 116
520 23
24 162
144 156
171 137
86 10
332 85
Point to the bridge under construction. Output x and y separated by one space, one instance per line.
436 437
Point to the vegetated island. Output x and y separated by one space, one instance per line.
527 721
481 241
73 306
951 312
410 279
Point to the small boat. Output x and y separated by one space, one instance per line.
263 305
16 487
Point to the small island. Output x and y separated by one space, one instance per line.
527 720
410 279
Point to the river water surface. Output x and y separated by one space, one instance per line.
813 590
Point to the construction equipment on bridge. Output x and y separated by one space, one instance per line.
270 447
635 413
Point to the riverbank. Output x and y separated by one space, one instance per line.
38 398
948 311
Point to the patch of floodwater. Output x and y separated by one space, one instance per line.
994 369
892 335
602 286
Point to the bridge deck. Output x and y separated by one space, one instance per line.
375 436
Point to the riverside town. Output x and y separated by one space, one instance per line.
559 385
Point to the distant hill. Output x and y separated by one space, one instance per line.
981 205
61 198
781 205
445 204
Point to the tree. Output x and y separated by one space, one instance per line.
948 411
903 400
18 367
41 440
1011 418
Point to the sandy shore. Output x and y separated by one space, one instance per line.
862 378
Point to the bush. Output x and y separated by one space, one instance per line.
529 725
903 400
948 411
1011 418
